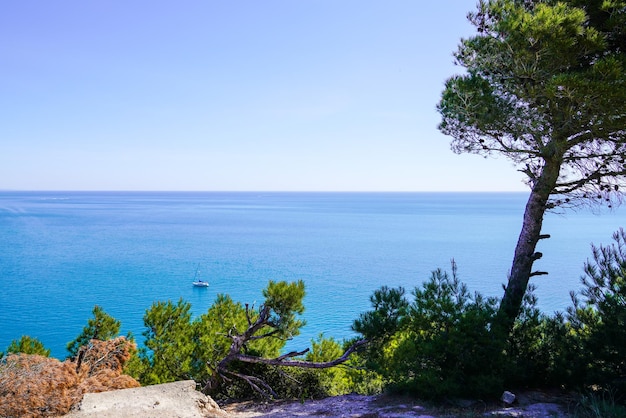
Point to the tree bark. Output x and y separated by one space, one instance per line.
525 255
282 360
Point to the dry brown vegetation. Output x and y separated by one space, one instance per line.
36 386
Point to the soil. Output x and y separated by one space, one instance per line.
530 405
180 399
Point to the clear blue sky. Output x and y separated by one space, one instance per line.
233 95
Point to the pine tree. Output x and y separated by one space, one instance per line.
545 87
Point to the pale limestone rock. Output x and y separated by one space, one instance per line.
171 400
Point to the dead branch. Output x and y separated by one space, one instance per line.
537 256
239 342
256 383
280 361
292 354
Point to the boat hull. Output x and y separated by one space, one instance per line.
200 284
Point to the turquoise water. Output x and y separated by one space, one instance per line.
61 253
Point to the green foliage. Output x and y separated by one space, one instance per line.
101 327
334 379
361 379
212 330
444 344
449 329
350 377
600 404
544 86
28 345
537 351
179 347
287 382
441 343
169 349
215 348
390 307
531 67
381 327
305 383
598 320
285 301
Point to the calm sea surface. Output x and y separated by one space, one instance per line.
61 253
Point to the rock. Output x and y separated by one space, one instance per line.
170 400
508 398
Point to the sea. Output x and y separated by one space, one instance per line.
62 253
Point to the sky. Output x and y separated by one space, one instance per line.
242 95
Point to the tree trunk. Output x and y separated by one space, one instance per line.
525 254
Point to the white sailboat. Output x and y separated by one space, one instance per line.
198 282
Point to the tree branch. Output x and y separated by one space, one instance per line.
254 383
280 361
293 354
274 318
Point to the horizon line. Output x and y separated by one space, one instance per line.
250 191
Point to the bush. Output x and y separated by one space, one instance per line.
101 327
37 386
600 404
440 344
350 377
220 347
455 353
380 327
168 354
28 345
443 343
598 317
286 382
537 350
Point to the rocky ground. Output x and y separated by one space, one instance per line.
392 407
181 400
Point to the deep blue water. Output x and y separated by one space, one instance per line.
61 253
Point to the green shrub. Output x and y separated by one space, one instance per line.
600 404
537 351
455 353
349 377
439 345
101 327
28 345
169 349
380 327
443 343
220 348
598 316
